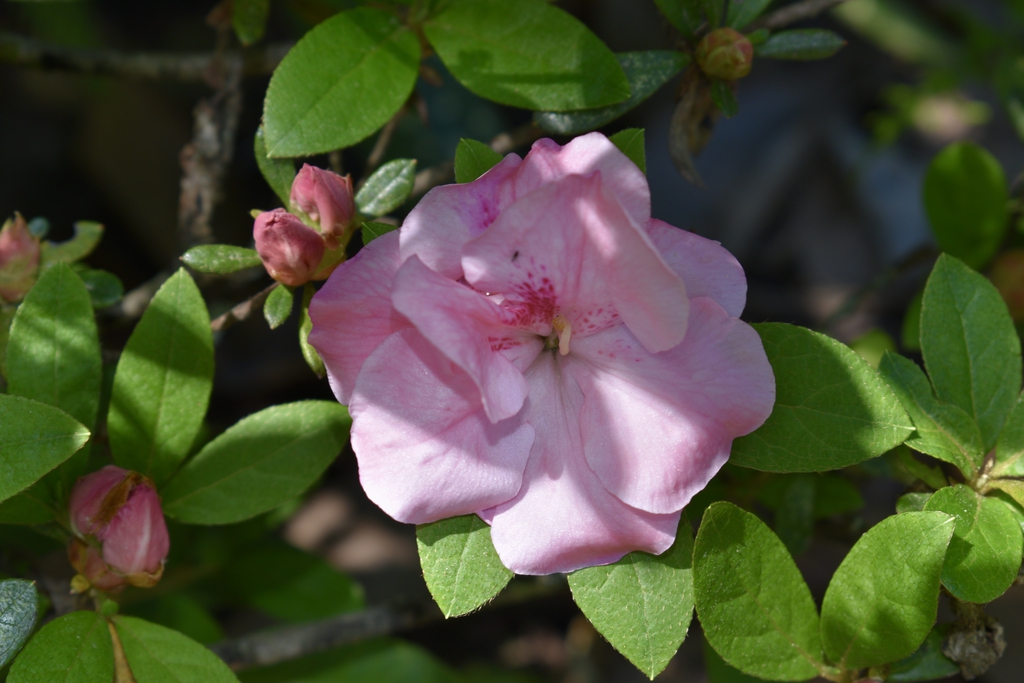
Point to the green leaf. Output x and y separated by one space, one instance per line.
160 655
970 347
911 502
181 613
643 603
472 159
342 81
927 663
932 476
910 333
163 381
105 288
965 198
631 143
943 430
645 71
685 15
883 599
833 495
372 230
292 585
872 345
221 258
18 601
249 19
87 236
460 565
720 672
800 44
832 409
313 359
724 98
752 602
278 306
1010 446
6 317
279 173
34 439
742 12
34 505
74 648
794 518
54 349
388 187
526 53
262 461
984 554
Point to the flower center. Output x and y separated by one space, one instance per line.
561 336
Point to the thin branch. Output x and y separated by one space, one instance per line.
789 14
383 140
241 311
180 66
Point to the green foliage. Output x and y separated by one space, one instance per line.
719 672
643 603
279 173
742 12
289 584
460 565
313 359
631 143
985 551
105 289
259 463
87 236
249 19
911 502
944 431
342 81
932 476
278 306
910 333
831 408
927 663
221 258
74 648
372 230
160 655
472 159
883 599
182 613
724 98
756 610
645 71
1010 446
34 439
794 517
32 506
18 607
801 44
833 495
388 187
526 53
970 347
163 381
685 15
965 197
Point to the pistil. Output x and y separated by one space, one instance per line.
564 331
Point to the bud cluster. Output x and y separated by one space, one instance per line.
19 260
725 54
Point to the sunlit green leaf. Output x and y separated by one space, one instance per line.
160 655
220 258
472 159
1010 446
74 648
87 236
278 306
388 187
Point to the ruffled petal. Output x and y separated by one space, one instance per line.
547 162
707 268
450 215
426 450
657 427
467 328
352 312
570 248
563 518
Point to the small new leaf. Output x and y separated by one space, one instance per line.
801 44
249 19
388 187
278 306
220 259
87 236
313 359
725 98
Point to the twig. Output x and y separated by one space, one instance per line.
792 13
241 311
181 66
381 145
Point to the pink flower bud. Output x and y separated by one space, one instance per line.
726 54
290 249
122 537
19 259
325 197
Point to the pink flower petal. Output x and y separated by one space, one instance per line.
658 427
450 215
563 518
570 248
707 268
426 449
467 328
136 540
88 494
547 162
352 312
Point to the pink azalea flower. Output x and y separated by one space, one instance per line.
534 348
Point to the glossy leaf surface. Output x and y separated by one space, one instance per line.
221 258
18 601
278 306
387 188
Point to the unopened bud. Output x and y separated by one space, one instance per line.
725 54
290 249
19 259
325 197
121 536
